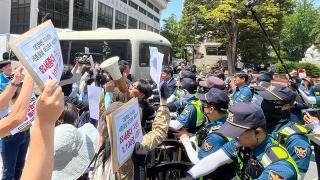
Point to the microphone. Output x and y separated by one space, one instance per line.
252 3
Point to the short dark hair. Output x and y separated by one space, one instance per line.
69 115
5 56
242 75
168 70
144 87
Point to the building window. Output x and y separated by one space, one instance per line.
150 5
121 20
105 16
157 20
156 10
150 15
82 14
134 5
125 1
20 16
133 23
150 28
144 1
142 25
143 11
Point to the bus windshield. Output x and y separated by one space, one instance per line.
121 48
144 54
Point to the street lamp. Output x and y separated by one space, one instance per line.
194 21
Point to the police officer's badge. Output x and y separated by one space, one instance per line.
301 152
275 176
186 111
243 96
230 117
207 146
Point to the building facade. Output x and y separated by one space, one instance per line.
18 16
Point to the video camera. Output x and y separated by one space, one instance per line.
313 102
83 58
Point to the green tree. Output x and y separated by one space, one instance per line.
299 27
171 31
315 32
236 21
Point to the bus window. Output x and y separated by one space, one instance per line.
121 48
144 54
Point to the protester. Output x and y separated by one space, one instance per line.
40 160
251 145
5 75
150 140
14 147
73 150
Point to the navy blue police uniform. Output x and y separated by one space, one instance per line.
280 124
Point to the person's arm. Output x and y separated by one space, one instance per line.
215 160
160 127
183 136
175 124
171 99
20 108
8 93
40 160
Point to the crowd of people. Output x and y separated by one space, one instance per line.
256 130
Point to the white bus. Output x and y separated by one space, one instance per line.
129 44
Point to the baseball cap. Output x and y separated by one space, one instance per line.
242 116
73 150
213 82
217 98
189 84
275 92
264 78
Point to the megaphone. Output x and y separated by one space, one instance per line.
111 66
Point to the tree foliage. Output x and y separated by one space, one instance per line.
171 31
230 22
301 28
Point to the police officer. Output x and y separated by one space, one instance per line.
276 103
257 154
175 97
191 117
242 92
215 106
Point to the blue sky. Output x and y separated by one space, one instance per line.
175 7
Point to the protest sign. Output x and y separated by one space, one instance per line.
40 53
29 117
124 128
95 98
156 59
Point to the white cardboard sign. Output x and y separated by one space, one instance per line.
40 53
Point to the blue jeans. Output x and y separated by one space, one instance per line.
14 151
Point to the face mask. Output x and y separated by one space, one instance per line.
273 112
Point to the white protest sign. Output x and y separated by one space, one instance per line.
29 117
124 126
86 50
156 60
94 98
40 53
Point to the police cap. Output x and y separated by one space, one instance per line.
217 98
